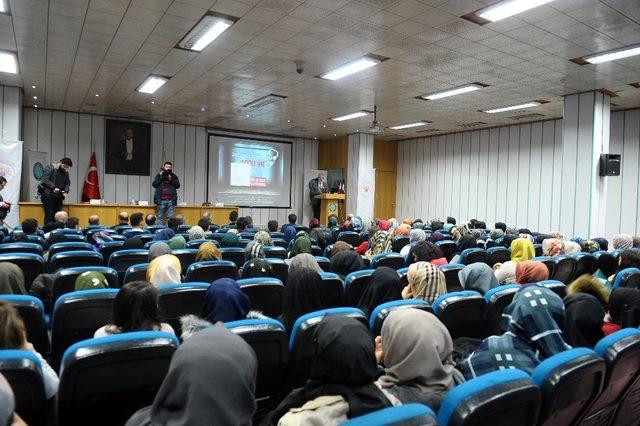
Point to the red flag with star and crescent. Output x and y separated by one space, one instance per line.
91 188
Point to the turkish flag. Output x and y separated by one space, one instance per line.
91 188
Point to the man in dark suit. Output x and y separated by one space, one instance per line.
129 155
317 186
53 187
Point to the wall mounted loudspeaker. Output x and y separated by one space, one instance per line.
610 164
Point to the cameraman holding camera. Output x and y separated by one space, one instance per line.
4 206
166 196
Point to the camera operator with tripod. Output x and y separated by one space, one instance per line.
166 196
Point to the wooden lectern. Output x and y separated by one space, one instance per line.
329 204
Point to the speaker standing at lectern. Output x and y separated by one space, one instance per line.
317 186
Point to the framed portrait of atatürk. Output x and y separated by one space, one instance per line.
127 147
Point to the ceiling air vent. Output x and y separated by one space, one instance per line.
429 131
474 124
531 116
264 101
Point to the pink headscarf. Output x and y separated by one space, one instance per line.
383 225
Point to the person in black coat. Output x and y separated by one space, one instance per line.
166 184
53 187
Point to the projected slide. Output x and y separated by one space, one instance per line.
249 172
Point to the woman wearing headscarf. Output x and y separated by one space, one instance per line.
264 238
589 246
584 318
426 281
195 233
529 271
163 270
553 247
478 276
303 294
590 285
466 242
383 225
532 335
341 382
604 243
304 260
229 239
91 280
624 310
511 231
571 247
211 379
458 232
158 249
436 236
527 236
253 250
383 287
417 352
622 242
379 243
496 234
11 279
402 229
415 236
346 262
133 243
521 249
339 246
164 235
208 251
302 244
333 222
177 243
256 268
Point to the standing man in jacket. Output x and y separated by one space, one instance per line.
53 187
317 186
166 197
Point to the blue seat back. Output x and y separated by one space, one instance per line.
398 242
32 312
76 238
497 299
20 247
391 260
537 249
349 237
64 281
451 276
381 312
587 264
234 254
211 270
402 273
107 248
498 255
176 300
473 255
195 244
462 312
607 262
275 252
565 268
35 239
31 264
447 247
280 242
23 371
324 263
68 246
186 256
354 285
121 260
557 287
265 295
280 269
404 414
332 290
72 259
628 277
136 273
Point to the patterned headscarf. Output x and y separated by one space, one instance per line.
381 243
512 231
558 235
496 233
590 246
428 281
264 238
571 247
417 235
253 250
302 244
552 247
195 233
91 280
527 237
622 242
208 251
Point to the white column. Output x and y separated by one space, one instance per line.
359 156
10 113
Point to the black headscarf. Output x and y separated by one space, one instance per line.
583 320
211 379
302 295
132 243
384 287
345 262
256 268
344 364
54 237
466 242
624 306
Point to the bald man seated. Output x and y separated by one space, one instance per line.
94 220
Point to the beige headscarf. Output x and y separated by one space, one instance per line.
163 270
264 238
428 281
11 279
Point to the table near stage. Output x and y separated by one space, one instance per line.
108 213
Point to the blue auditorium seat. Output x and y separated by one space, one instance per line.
324 263
332 290
35 239
136 234
447 247
473 255
349 237
497 299
451 276
547 260
121 260
75 258
275 252
628 277
565 268
316 250
67 231
31 264
186 257
381 312
354 285
76 238
176 300
266 295
195 244
498 255
557 287
276 235
280 242
301 342
607 262
23 371
234 254
21 247
155 228
587 264
77 316
462 312
402 273
398 242
31 311
94 228
109 247
409 414
211 270
391 260
106 380
64 281
136 273
280 269
364 236
569 382
506 397
68 246
537 249
621 354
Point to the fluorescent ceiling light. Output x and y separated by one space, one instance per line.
208 28
408 126
3 6
452 92
352 67
8 62
613 55
152 83
264 101
352 115
512 108
507 8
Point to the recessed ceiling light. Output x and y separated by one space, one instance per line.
335 134
356 114
208 28
153 102
33 87
247 115
357 130
97 95
409 125
35 106
152 83
454 91
35 97
324 125
502 10
353 67
264 101
609 55
8 62
288 121
315 137
512 107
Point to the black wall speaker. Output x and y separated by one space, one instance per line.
610 164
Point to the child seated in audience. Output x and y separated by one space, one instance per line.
426 281
163 270
91 280
13 335
135 308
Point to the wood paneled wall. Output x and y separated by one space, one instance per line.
333 154
385 161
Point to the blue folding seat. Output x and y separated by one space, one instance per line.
301 342
302 228
621 354
556 286
569 382
496 300
72 259
31 310
349 237
215 236
280 242
64 280
501 398
186 256
276 235
108 248
447 248
402 273
462 312
37 239
547 260
354 285
565 268
381 312
587 264
628 277
136 273
23 371
391 260
21 247
89 233
67 231
146 237
398 242
316 250
121 260
105 380
266 295
537 249
76 238
498 255
130 233
269 341
408 414
176 300
332 290
473 255
211 270
607 262
451 276
324 263
77 316
366 261
94 228
234 254
195 244
275 252
364 236
327 251
31 264
280 269
183 228
155 228
68 246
